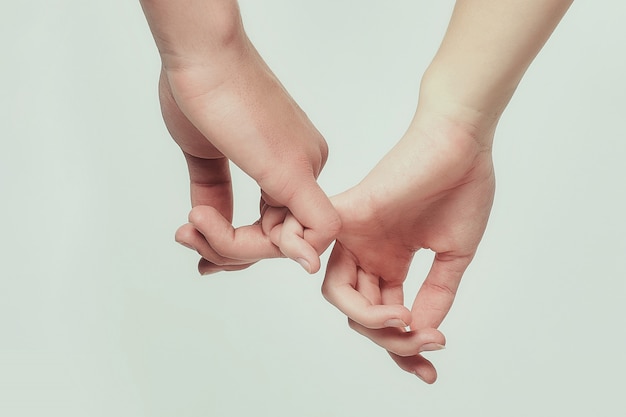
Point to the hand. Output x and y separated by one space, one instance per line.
222 103
434 190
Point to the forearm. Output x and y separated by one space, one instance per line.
190 32
487 49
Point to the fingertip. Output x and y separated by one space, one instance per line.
400 317
425 371
182 237
308 266
206 267
426 376
184 234
304 255
192 217
430 340
431 347
185 244
418 366
289 238
199 215
395 323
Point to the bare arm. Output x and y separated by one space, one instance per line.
485 52
221 104
434 189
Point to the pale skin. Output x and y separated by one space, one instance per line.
221 103
433 190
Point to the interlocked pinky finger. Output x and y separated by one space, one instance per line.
290 239
246 244
271 217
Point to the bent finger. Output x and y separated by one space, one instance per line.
187 235
290 240
369 286
272 217
310 205
339 288
416 365
246 243
401 342
313 209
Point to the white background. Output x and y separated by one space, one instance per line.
102 314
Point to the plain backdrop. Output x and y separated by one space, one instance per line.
103 314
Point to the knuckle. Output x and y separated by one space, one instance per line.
327 291
197 215
333 226
353 325
183 234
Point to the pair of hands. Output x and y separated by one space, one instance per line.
433 190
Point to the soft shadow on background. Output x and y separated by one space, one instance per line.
102 314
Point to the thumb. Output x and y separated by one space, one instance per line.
312 208
308 204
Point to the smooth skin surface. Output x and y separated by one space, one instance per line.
434 190
222 103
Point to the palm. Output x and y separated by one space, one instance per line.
381 232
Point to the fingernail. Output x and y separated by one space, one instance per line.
394 323
419 376
304 264
186 245
431 347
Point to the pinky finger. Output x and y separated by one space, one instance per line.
289 237
416 365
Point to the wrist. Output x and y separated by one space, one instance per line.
468 102
436 154
197 33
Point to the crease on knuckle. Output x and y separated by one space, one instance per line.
442 289
183 234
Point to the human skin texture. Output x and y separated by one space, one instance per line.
434 190
222 103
